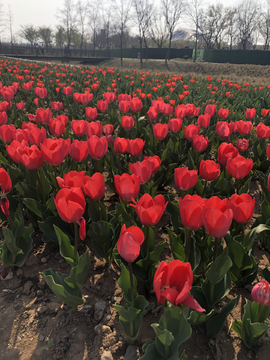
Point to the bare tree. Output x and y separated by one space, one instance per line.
264 25
194 12
10 20
248 13
172 10
60 37
68 17
231 26
29 33
157 30
107 20
94 21
143 12
45 33
82 9
123 15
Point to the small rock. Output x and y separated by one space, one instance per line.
113 300
32 260
39 293
195 357
107 355
156 310
3 271
43 260
42 283
98 287
86 308
100 307
212 342
80 336
42 309
9 276
151 306
19 272
249 356
27 287
102 329
41 338
132 353
61 261
33 295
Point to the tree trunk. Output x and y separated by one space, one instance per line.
121 47
168 51
141 52
196 45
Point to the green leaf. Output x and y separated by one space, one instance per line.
33 205
164 335
47 227
252 235
220 267
215 293
124 283
66 249
102 237
215 324
79 273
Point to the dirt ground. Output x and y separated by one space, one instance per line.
35 325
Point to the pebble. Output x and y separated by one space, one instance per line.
42 283
107 355
19 272
41 338
39 293
98 287
32 260
9 276
156 310
61 261
249 356
43 260
27 287
100 307
132 353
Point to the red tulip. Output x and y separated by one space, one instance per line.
102 105
250 113
107 129
190 109
41 92
173 281
244 127
78 150
94 186
150 210
97 146
242 207
109 96
135 146
191 208
37 135
175 124
6 132
158 105
27 86
20 105
31 157
239 166
223 113
217 216
57 127
180 111
200 143
226 151
120 145
8 94
129 242
152 114
54 151
79 127
136 104
185 179
204 121
124 106
167 109
191 131
224 129
70 204
124 97
5 187
127 122
261 293
63 118
91 113
85 98
160 131
3 118
36 101
56 105
67 90
262 131
155 162
242 144
14 150
142 169
209 170
94 128
71 180
126 186
21 135
268 151
43 116
210 109
77 97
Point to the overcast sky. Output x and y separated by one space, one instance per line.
43 12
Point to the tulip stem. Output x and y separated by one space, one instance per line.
147 240
188 242
132 296
215 248
41 188
167 348
76 231
96 165
205 184
237 186
243 233
55 175
159 144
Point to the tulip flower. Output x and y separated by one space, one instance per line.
20 105
223 113
94 128
102 105
127 122
120 145
191 208
127 186
129 242
136 105
97 146
244 127
124 106
191 131
224 129
94 186
41 92
155 162
262 131
185 179
43 115
209 170
56 105
160 131
204 121
200 143
91 113
135 146
226 151
217 216
250 113
173 281
14 150
5 187
109 96
142 169
107 129
71 179
54 151
180 111
210 109
31 157
175 124
242 207
6 132
242 144
152 113
150 210
79 127
67 90
37 135
261 293
239 167
57 127
78 150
